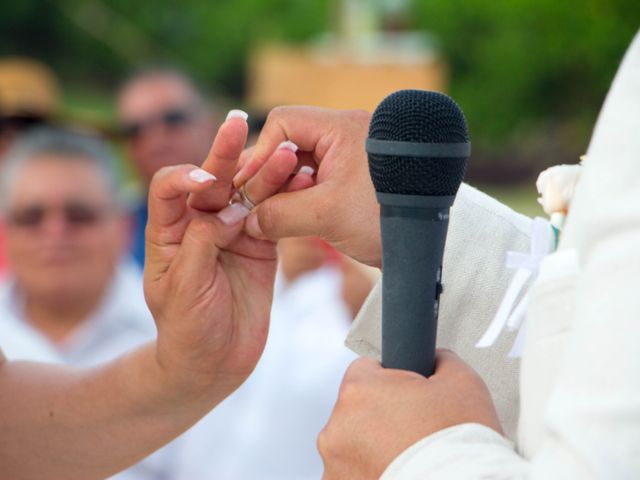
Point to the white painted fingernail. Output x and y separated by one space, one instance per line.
201 176
288 145
233 213
307 169
238 114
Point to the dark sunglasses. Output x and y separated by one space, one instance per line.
74 215
19 123
170 118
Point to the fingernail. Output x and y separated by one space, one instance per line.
201 176
238 114
233 213
307 169
252 226
288 145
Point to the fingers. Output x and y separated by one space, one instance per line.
272 176
222 162
245 156
304 126
289 214
303 179
168 213
195 264
168 198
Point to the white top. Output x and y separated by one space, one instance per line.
268 428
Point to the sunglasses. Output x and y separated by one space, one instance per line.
75 215
171 118
19 123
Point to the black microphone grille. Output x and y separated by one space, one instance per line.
419 119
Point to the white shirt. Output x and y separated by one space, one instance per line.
267 429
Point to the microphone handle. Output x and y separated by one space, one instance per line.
413 240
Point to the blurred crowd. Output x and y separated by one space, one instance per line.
71 259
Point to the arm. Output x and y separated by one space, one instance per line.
93 423
200 268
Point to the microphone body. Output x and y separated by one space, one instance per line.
413 230
418 147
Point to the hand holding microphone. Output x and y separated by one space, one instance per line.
418 147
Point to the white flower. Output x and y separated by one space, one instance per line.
556 186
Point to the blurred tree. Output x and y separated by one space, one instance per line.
100 40
530 74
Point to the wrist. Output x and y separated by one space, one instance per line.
151 388
183 383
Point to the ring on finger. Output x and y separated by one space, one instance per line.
243 197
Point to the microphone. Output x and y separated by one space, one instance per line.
418 147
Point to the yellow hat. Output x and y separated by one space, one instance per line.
27 88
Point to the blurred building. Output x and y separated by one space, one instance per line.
372 54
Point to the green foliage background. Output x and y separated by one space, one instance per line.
531 75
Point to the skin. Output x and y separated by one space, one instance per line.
341 207
57 422
63 270
380 412
158 146
300 255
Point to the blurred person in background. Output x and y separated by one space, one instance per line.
301 255
29 96
71 297
166 120
274 418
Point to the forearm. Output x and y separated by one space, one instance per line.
89 424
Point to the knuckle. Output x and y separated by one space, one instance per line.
275 114
360 116
201 227
159 176
349 391
323 441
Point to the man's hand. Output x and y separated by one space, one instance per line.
341 207
381 412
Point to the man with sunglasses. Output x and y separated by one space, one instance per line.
29 96
165 121
70 298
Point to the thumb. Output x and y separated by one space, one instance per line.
291 214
